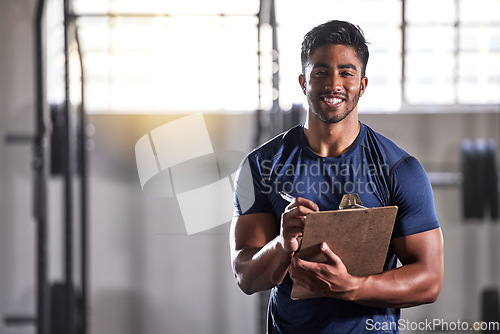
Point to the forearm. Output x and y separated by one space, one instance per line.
407 286
259 269
417 282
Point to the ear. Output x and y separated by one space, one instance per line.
364 83
302 82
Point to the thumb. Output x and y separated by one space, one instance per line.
330 255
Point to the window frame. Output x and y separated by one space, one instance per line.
266 71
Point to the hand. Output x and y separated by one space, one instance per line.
330 276
292 223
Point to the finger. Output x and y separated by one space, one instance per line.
304 202
300 210
294 232
296 262
330 255
293 219
295 267
300 201
300 272
300 264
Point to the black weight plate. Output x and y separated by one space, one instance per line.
490 308
59 315
479 178
57 140
57 308
467 179
491 179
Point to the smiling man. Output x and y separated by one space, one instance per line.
332 154
331 102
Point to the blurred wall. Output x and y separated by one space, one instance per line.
16 110
147 275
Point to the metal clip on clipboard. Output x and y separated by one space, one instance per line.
351 201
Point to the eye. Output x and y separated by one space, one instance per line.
347 74
320 72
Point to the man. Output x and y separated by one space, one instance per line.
318 162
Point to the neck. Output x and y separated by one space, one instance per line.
331 140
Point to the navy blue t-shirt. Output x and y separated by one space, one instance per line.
375 168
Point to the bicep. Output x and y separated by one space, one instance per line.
252 231
425 248
257 266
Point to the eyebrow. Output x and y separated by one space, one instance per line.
341 66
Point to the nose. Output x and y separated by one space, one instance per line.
334 82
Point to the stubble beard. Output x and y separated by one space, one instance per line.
335 118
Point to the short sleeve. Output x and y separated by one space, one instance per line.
412 193
251 190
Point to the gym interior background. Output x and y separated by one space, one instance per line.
133 66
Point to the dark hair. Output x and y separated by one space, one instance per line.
335 32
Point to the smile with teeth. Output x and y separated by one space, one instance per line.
332 100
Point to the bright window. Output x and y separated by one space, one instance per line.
170 63
169 56
383 32
452 52
196 55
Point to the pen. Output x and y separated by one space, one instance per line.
287 197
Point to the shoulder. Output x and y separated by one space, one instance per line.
278 146
409 171
253 175
382 149
399 163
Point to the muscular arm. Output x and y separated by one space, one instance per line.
259 260
260 253
417 282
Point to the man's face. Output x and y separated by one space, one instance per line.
332 82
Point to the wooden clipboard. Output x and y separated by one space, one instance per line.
360 237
